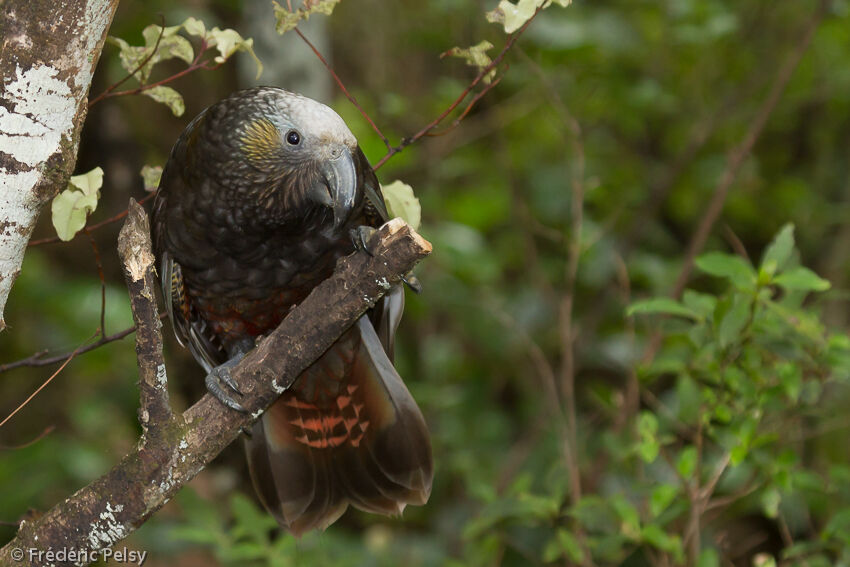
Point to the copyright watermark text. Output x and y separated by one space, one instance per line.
80 556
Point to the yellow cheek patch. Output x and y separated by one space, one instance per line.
261 140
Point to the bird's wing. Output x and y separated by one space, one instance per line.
190 329
368 447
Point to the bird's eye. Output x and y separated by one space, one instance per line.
293 138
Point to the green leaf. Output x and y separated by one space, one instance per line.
243 552
648 447
779 250
770 500
564 544
169 46
791 378
838 526
734 320
475 56
734 268
194 534
401 202
195 27
686 464
662 496
662 305
513 16
286 20
151 176
701 303
708 558
228 42
744 437
250 522
655 536
71 207
130 56
689 398
169 97
801 279
629 517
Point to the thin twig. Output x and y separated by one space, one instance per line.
469 106
138 68
735 242
36 359
40 388
47 431
567 331
194 66
116 218
462 96
344 90
573 255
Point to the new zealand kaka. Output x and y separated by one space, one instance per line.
262 193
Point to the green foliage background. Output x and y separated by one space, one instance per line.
729 446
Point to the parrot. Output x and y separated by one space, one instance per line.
261 194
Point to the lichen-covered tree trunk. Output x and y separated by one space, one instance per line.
48 53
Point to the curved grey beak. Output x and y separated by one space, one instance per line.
340 187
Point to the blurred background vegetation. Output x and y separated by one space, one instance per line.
566 429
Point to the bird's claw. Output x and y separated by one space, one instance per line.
362 238
221 375
412 282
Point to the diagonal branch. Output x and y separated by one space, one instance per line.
114 505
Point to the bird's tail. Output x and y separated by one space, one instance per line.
348 432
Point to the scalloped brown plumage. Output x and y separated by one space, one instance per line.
245 224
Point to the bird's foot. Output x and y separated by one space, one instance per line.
362 238
219 377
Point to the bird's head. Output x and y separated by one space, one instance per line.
299 153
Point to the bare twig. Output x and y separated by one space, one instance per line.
95 226
47 431
36 359
195 65
344 90
487 88
567 332
735 242
40 388
138 68
462 96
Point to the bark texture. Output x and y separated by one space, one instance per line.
48 54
